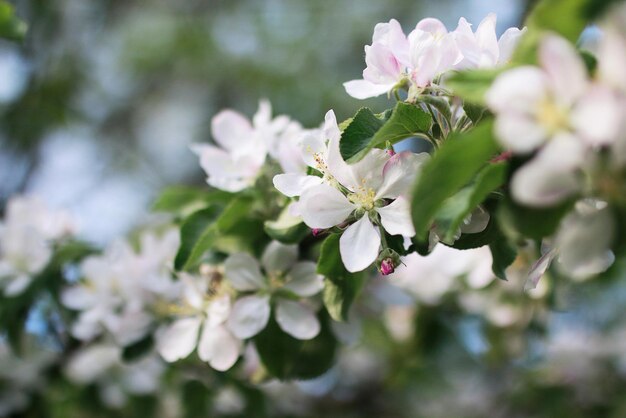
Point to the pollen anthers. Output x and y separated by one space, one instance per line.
552 117
364 197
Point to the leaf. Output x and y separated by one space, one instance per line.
479 239
565 17
195 228
139 349
406 121
11 27
195 399
286 357
471 85
452 167
358 133
456 208
438 102
534 223
287 229
341 287
474 112
182 198
503 256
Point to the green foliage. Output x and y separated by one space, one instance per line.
534 223
456 208
453 166
287 229
471 85
11 27
341 287
181 199
503 254
367 131
137 350
286 357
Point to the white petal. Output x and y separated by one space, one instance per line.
324 206
278 257
179 339
538 269
399 174
487 39
331 129
508 42
231 129
243 272
249 316
293 184
303 279
17 285
519 89
519 133
297 320
606 109
218 347
359 245
396 218
363 89
565 68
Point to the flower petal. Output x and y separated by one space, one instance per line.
243 272
324 206
399 174
303 279
519 133
218 347
293 184
363 89
359 245
297 319
564 67
179 339
396 218
231 129
249 316
278 257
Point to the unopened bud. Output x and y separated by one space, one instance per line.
316 231
391 152
387 266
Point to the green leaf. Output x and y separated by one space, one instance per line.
534 223
195 399
474 112
137 350
360 137
485 237
358 133
185 198
341 287
438 102
287 229
456 208
196 227
503 255
286 357
452 167
11 27
565 17
471 85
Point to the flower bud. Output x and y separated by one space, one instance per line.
316 231
387 266
391 152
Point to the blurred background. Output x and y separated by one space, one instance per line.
99 104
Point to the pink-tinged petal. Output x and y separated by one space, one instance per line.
399 173
297 319
218 311
508 42
324 206
433 26
263 116
249 316
303 279
612 59
519 133
538 269
279 257
359 245
607 109
193 293
363 89
221 170
564 67
382 65
551 176
243 272
218 347
294 184
179 339
519 90
396 218
487 40
231 130
392 36
420 43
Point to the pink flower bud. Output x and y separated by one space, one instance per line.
316 231
387 267
391 152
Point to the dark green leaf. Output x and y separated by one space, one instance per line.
438 102
468 241
503 256
139 349
452 167
474 112
358 133
195 399
341 287
286 357
456 208
534 223
198 226
405 121
11 27
471 85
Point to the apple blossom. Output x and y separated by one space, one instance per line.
26 241
204 314
279 280
241 147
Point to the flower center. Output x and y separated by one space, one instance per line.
552 117
363 198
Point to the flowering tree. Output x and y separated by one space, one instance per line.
268 272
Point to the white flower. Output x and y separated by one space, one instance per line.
26 238
216 345
371 190
482 48
242 147
283 282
